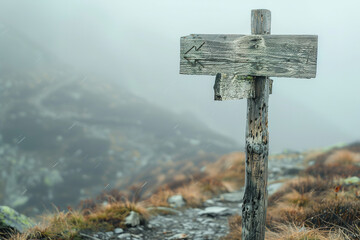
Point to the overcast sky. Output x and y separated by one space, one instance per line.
137 44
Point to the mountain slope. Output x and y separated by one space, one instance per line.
65 136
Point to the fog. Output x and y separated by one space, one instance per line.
136 43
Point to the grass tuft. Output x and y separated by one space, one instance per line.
69 225
344 157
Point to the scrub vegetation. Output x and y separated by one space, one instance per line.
323 202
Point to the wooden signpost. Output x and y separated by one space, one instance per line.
242 65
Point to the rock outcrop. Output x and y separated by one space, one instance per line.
11 220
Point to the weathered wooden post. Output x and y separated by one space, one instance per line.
242 65
257 145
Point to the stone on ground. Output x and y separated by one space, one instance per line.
118 230
133 219
176 201
179 236
232 197
125 236
216 211
12 220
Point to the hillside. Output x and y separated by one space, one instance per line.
66 136
312 195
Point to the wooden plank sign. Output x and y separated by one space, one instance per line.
242 65
256 55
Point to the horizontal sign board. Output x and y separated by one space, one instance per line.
292 56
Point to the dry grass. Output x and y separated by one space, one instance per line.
228 173
57 226
19 236
293 232
194 193
342 212
309 184
332 170
315 206
160 198
230 170
69 225
16 235
309 202
299 199
212 186
113 215
306 208
300 190
319 204
335 163
287 232
314 156
235 228
283 214
344 157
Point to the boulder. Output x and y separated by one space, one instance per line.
216 211
176 201
12 220
133 219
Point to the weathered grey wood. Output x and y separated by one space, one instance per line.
257 146
256 55
233 58
260 21
234 87
230 87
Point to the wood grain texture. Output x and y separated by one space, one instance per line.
292 56
231 87
234 87
260 21
257 147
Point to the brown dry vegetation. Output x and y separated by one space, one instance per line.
194 185
342 163
315 205
287 232
230 170
172 174
226 174
71 224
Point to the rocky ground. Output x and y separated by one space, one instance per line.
210 221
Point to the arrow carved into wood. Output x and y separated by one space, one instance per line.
195 61
253 55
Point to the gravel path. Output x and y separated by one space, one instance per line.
209 222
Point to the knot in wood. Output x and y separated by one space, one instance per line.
247 208
255 148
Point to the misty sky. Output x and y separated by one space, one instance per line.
137 44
